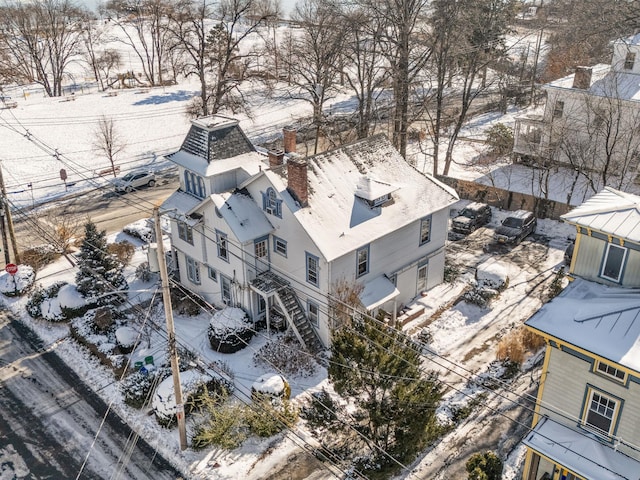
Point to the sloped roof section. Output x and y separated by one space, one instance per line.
599 319
609 211
245 218
337 220
216 138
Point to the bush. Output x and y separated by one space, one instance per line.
143 272
38 257
123 251
500 139
285 355
39 295
138 388
510 348
225 426
230 330
484 466
321 411
266 417
531 341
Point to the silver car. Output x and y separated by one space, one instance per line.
134 180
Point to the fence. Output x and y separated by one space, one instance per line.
507 199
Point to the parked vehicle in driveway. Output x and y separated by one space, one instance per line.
516 227
134 180
471 217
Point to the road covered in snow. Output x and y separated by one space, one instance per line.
53 426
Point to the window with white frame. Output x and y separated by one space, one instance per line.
313 267
194 184
213 274
558 109
193 270
271 203
610 371
313 312
601 412
629 60
225 289
223 246
185 232
362 261
280 246
614 258
425 230
423 270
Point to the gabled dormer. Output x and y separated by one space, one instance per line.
626 55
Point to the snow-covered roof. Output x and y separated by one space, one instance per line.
180 205
378 291
632 40
597 72
245 218
581 452
609 211
337 220
251 163
597 318
370 189
605 83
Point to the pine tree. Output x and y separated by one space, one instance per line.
99 271
378 369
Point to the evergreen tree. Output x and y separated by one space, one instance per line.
99 271
378 369
484 466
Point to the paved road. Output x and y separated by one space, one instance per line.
48 419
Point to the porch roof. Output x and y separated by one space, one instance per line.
378 291
180 205
581 452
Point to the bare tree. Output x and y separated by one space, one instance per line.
314 56
92 39
109 141
39 41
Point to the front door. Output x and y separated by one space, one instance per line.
261 252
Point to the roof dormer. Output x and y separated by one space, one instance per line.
374 192
215 138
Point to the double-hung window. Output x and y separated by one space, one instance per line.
313 267
601 412
362 261
558 109
193 270
223 245
313 312
425 230
185 232
225 289
213 274
614 258
280 246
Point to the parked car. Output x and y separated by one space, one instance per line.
471 217
516 227
133 180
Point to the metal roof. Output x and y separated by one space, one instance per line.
610 211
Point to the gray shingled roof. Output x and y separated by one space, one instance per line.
225 142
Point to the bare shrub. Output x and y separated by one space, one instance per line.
531 341
510 348
123 251
38 257
286 356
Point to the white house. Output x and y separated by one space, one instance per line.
279 232
590 117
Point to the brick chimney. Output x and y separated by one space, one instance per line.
276 158
289 139
582 78
297 179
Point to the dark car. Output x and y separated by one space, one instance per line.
472 216
515 227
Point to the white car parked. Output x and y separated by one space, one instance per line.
134 180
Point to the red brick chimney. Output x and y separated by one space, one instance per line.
289 139
297 179
582 78
276 158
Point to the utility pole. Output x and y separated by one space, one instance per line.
168 312
5 243
7 214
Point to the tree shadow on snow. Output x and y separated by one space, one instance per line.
179 96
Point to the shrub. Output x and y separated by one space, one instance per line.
137 388
38 257
266 418
451 272
500 139
225 426
510 348
531 341
39 295
285 355
123 251
557 285
484 466
229 330
143 272
321 412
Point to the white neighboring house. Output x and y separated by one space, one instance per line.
277 233
590 118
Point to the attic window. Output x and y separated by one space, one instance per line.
376 202
374 192
629 61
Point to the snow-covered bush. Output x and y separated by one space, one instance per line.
194 384
491 279
66 304
137 387
271 386
140 230
143 272
39 295
126 338
230 330
18 284
285 355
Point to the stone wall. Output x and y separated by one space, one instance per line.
506 199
